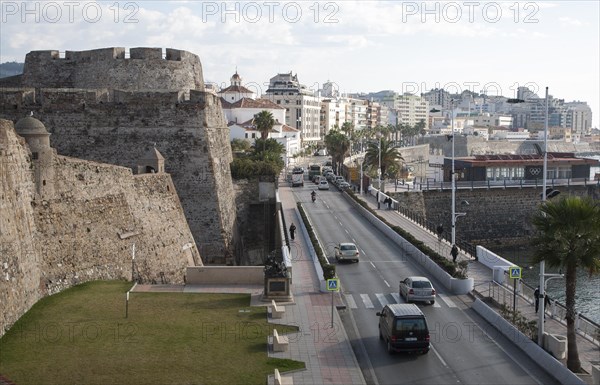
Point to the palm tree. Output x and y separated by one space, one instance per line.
389 157
568 236
337 145
264 123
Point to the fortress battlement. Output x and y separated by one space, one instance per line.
111 53
145 69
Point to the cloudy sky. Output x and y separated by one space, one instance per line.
362 46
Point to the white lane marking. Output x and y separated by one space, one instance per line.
373 265
438 355
446 300
381 298
367 301
436 304
350 301
396 297
388 285
347 232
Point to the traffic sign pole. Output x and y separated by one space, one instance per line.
333 285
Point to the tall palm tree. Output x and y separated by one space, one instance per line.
389 157
568 236
264 123
337 145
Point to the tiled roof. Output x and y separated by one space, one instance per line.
240 89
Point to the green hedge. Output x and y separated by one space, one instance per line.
247 168
455 270
328 268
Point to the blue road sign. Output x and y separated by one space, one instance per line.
515 272
333 284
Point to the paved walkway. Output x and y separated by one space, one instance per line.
325 350
589 353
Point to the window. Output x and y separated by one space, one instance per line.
34 156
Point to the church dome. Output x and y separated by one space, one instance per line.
30 126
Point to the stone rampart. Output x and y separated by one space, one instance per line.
494 216
84 227
117 127
145 69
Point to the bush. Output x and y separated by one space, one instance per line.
247 168
328 269
455 270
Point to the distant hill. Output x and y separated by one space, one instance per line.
10 69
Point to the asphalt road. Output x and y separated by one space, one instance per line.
465 348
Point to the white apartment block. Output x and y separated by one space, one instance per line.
302 107
492 120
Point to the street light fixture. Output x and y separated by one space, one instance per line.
360 163
542 262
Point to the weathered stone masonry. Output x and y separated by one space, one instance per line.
103 107
80 224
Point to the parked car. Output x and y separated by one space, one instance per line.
346 251
417 289
323 185
403 327
344 185
339 179
330 177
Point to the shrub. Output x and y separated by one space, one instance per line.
328 269
457 271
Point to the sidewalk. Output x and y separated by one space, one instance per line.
589 353
326 351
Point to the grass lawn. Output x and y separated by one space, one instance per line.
81 336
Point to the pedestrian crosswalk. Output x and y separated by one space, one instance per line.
355 301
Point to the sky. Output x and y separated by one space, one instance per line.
366 46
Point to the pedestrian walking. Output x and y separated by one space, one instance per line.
536 295
439 230
454 253
292 231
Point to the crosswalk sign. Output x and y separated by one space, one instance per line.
515 272
333 284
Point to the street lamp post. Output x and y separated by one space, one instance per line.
453 226
542 263
379 168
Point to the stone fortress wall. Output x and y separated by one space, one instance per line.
145 69
102 107
65 221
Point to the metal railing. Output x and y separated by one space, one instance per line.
503 184
503 294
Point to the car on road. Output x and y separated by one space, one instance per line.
330 177
417 289
339 179
323 185
343 185
346 251
403 328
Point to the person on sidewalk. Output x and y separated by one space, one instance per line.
454 253
536 295
439 230
292 230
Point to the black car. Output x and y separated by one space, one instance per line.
403 327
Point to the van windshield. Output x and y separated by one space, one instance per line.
414 324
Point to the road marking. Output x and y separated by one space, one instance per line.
350 301
373 265
367 301
388 285
446 300
347 232
397 297
381 298
436 303
438 355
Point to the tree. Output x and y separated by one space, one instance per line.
268 150
337 145
240 145
264 123
568 236
389 157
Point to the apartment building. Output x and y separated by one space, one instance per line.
302 106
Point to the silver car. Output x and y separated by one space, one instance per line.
346 251
417 289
